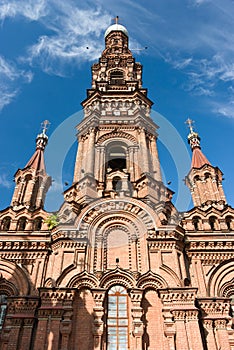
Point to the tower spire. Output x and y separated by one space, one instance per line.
203 180
198 158
32 182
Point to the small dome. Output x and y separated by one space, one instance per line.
116 27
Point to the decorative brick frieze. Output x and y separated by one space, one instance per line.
55 296
126 206
182 297
164 245
214 308
166 234
24 245
179 315
209 245
220 324
211 258
68 234
22 306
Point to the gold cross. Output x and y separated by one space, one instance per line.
45 126
116 19
190 123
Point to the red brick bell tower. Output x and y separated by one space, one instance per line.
117 267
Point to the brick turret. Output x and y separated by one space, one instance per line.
203 180
32 182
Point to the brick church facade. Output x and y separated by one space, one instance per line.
118 267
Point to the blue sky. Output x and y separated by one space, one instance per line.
45 71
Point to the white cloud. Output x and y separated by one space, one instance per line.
10 78
199 2
74 38
30 9
4 182
72 28
224 109
203 75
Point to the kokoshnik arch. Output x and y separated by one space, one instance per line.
118 267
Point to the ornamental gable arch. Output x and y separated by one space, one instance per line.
116 232
221 278
151 280
119 136
118 276
15 276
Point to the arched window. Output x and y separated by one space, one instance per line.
117 319
213 223
117 77
37 224
22 224
27 178
116 156
6 223
196 178
3 307
117 183
207 175
228 221
196 223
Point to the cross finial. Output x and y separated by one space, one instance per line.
116 19
45 126
190 123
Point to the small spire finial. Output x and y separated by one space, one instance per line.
45 125
190 124
116 19
42 138
193 137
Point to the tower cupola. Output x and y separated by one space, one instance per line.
116 28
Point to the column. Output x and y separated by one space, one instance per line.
20 320
215 313
98 311
54 317
41 335
193 330
221 334
102 164
90 152
210 337
14 334
131 164
169 328
26 334
155 159
78 163
66 327
181 333
97 164
136 311
144 151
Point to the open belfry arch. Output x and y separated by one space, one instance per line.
117 267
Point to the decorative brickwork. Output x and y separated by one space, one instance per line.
117 267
